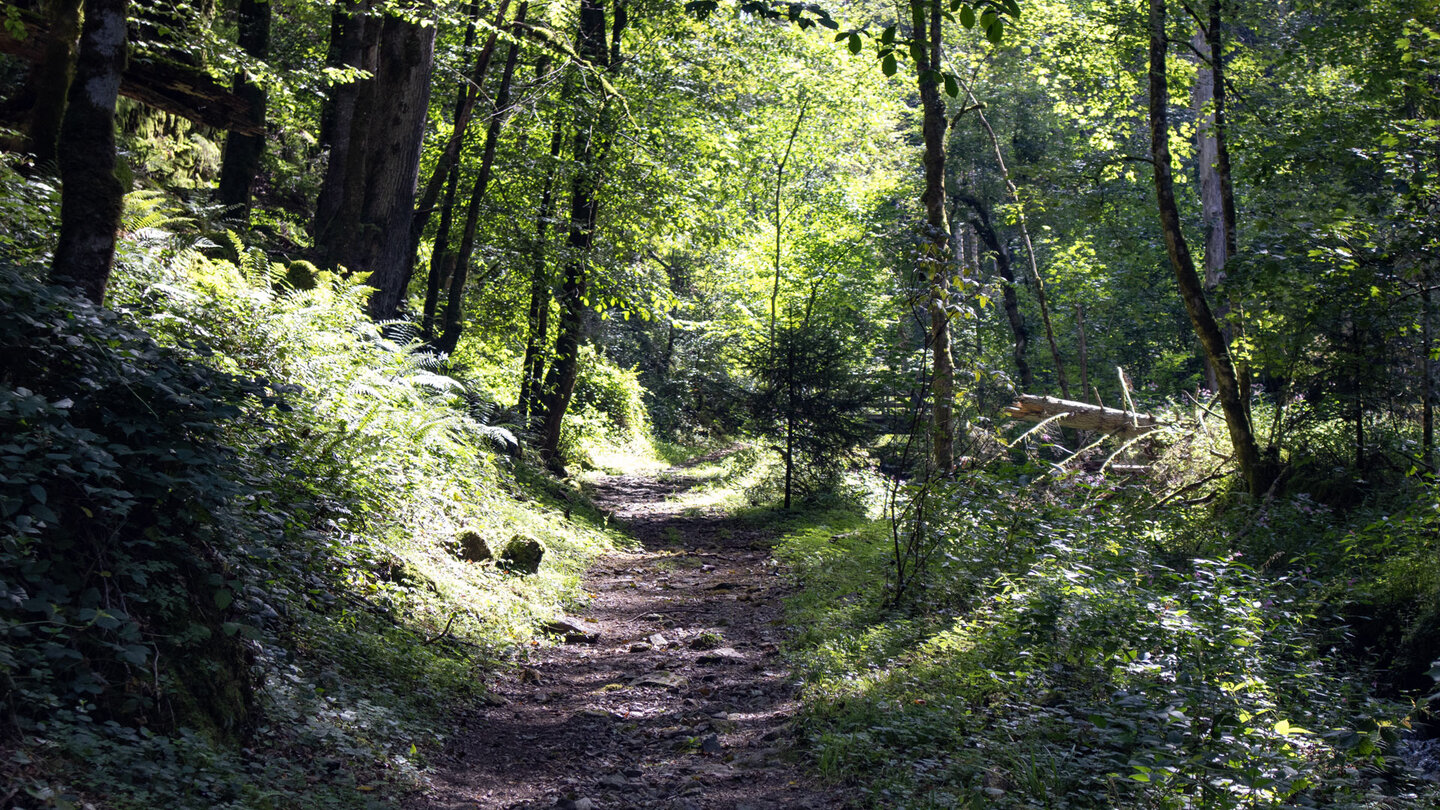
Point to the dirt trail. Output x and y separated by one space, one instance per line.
682 702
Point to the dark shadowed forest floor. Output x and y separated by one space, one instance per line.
682 701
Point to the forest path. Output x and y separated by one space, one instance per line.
682 703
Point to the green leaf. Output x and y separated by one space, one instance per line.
37 492
854 43
223 598
917 51
952 87
888 36
1012 7
887 65
995 32
967 17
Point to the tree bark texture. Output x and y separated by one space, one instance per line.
592 134
935 259
1192 292
367 204
92 198
50 82
243 153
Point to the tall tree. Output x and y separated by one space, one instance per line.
538 314
935 264
1192 291
455 299
594 126
92 197
366 205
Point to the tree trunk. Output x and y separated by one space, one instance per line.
1237 416
445 166
986 231
243 152
92 198
50 83
538 317
455 297
1081 416
1084 351
934 264
591 138
344 125
364 214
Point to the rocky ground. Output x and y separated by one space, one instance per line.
669 692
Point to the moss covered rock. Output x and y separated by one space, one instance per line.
472 546
522 555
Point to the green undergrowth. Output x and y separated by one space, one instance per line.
1066 649
231 572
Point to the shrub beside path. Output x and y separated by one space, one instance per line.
670 692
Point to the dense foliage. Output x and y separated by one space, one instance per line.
362 284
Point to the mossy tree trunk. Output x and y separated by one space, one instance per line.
50 83
92 198
935 263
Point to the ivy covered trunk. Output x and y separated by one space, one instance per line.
92 198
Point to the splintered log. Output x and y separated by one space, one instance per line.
1081 416
180 90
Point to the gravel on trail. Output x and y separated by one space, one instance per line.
669 691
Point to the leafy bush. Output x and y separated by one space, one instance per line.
120 500
1062 657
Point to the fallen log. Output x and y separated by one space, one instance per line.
1081 416
177 89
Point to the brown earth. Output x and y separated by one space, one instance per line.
682 701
